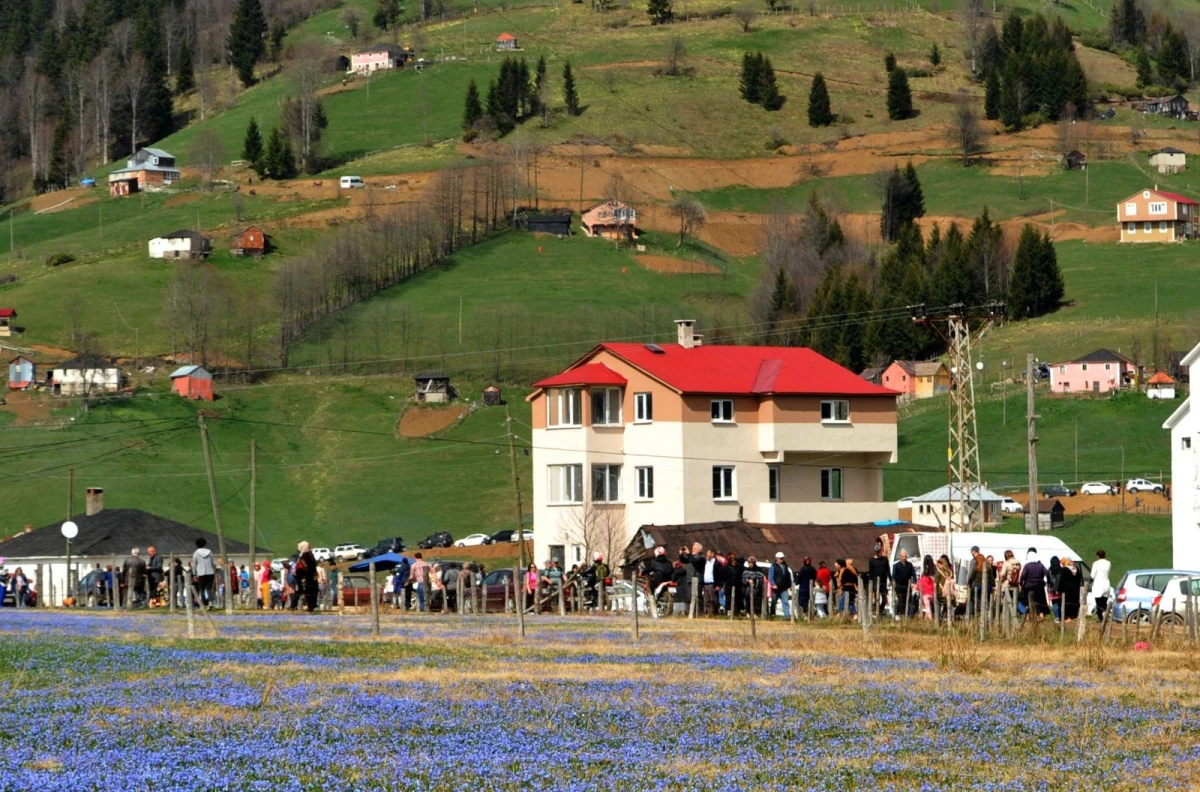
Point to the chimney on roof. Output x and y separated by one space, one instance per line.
95 500
688 338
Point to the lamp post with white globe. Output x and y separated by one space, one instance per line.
70 530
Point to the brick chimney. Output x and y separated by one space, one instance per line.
688 338
95 500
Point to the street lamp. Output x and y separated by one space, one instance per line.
69 530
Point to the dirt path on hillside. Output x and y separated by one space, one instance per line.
866 227
424 421
674 266
62 200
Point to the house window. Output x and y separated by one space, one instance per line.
722 410
722 483
836 411
566 484
645 483
1066 387
606 483
1158 207
773 483
1162 226
606 407
1108 366
1186 443
1062 369
1133 228
1084 366
643 407
831 483
1146 226
1131 208
565 408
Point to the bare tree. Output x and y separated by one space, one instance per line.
133 87
306 76
1067 134
352 20
971 13
676 57
78 86
745 15
596 528
965 132
206 88
207 152
122 38
35 93
691 214
102 101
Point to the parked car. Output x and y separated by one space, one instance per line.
277 564
510 535
1057 491
474 540
1137 590
93 589
392 544
356 590
348 552
351 182
322 554
439 539
1172 603
1097 488
1143 485
1010 506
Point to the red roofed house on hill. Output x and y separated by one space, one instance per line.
1160 386
506 41
638 434
6 317
1157 216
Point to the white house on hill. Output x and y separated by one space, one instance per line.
1184 425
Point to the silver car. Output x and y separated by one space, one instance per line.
1138 588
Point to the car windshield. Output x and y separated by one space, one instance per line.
356 582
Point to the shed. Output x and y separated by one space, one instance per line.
433 387
6 317
1160 386
250 241
760 540
1176 368
1051 514
491 396
942 507
180 244
192 382
873 375
557 223
1073 160
1169 160
506 41
22 373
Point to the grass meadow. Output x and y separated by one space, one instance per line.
302 703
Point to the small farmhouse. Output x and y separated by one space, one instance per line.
250 241
1175 106
1176 367
942 507
433 387
181 244
192 382
86 375
918 379
1102 371
506 41
557 223
380 57
22 373
6 317
1160 386
611 219
1169 160
1074 160
1157 216
149 169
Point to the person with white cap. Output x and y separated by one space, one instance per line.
780 577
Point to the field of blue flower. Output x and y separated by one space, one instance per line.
125 702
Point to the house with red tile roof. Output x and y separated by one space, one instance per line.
1157 216
6 317
1160 386
506 41
638 434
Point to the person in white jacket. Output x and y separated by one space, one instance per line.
1101 585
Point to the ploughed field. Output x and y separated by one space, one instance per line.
118 701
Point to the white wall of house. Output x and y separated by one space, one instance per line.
167 247
82 382
1184 425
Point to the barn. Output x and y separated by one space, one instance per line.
192 382
250 241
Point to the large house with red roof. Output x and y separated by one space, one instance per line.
1157 216
638 434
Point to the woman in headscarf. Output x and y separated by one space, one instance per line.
1033 585
944 580
926 587
1052 581
1101 585
1068 591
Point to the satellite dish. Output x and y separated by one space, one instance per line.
70 529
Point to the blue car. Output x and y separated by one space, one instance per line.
87 182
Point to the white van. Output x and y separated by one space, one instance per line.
351 182
957 545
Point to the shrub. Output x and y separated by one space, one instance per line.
58 259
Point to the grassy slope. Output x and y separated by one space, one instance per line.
327 487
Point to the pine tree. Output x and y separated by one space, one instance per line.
935 56
1174 60
272 159
1036 286
185 77
768 92
156 118
1010 104
58 174
1145 75
748 82
246 39
570 95
659 11
889 63
915 204
539 82
894 210
991 96
276 36
899 97
501 120
1011 33
252 148
819 111
387 14
287 159
782 297
473 109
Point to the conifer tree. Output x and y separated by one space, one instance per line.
1145 75
660 11
899 97
889 63
991 96
748 83
246 42
570 95
915 206
935 56
185 77
819 111
472 109
768 92
252 148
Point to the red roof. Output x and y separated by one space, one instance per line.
1177 198
745 370
506 37
7 313
587 374
19 385
1160 378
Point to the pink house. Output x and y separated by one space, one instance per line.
379 57
1101 371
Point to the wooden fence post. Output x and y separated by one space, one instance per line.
518 584
750 610
1081 629
601 594
633 605
191 617
460 601
562 598
171 584
375 600
694 594
794 593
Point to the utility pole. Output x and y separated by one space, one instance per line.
216 510
253 503
70 511
518 600
1031 418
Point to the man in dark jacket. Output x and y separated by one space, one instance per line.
806 576
659 569
903 575
879 574
1033 584
400 589
781 585
154 570
135 577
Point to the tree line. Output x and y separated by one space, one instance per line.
515 96
1163 52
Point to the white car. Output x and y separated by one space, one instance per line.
277 564
474 540
322 554
1010 506
1097 488
1172 603
1143 485
526 535
349 552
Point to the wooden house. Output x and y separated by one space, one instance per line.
192 382
1051 514
1174 106
557 223
250 241
22 373
1157 216
1074 160
433 387
6 317
149 169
